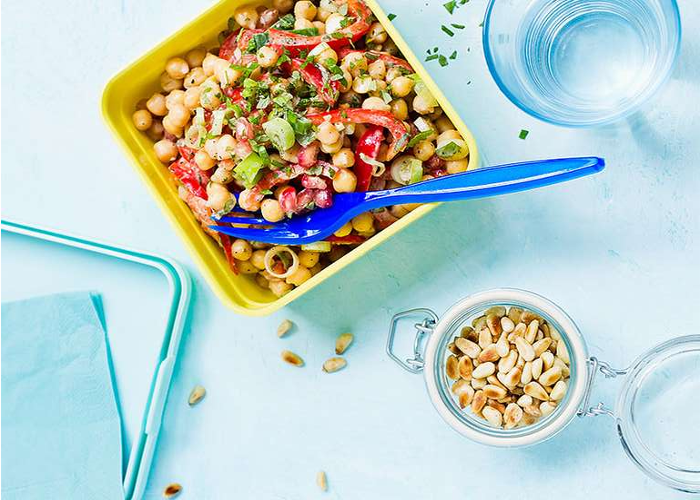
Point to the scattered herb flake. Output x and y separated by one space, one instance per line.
431 58
523 134
447 30
450 6
391 17
453 56
443 61
458 26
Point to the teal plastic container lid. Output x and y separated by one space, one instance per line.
146 299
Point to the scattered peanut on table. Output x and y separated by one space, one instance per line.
510 367
197 395
172 490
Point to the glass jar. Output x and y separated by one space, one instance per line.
655 414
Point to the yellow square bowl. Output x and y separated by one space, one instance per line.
141 79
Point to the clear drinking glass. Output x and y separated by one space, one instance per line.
581 62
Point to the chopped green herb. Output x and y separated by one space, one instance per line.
443 61
458 26
453 56
431 58
391 17
447 30
448 150
523 134
450 6
285 22
306 32
420 137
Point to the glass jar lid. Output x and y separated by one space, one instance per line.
658 413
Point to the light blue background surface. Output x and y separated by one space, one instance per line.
619 252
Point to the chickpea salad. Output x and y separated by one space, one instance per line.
300 101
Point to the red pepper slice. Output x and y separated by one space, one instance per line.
351 239
367 147
228 251
397 128
296 43
327 89
373 55
237 40
191 176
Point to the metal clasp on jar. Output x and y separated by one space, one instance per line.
423 331
595 366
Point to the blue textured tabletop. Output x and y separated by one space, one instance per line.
618 251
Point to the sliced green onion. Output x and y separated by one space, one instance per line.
407 170
249 170
318 246
422 90
217 121
422 136
199 117
280 133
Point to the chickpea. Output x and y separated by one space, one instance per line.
283 6
420 106
262 281
218 195
300 276
334 23
196 56
209 64
209 97
325 55
327 133
169 83
424 150
248 202
449 134
363 223
344 231
225 73
267 57
376 103
308 259
305 10
333 148
399 108
241 250
258 259
203 160
398 211
344 158
377 33
210 147
177 68
363 84
247 17
192 97
175 98
303 24
456 166
194 78
142 119
344 181
392 74
155 132
356 63
179 115
246 267
402 86
320 26
170 127
322 14
272 210
156 105
225 147
377 70
280 288
444 124
165 150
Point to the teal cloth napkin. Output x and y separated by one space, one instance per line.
61 431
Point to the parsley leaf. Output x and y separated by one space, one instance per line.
523 134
